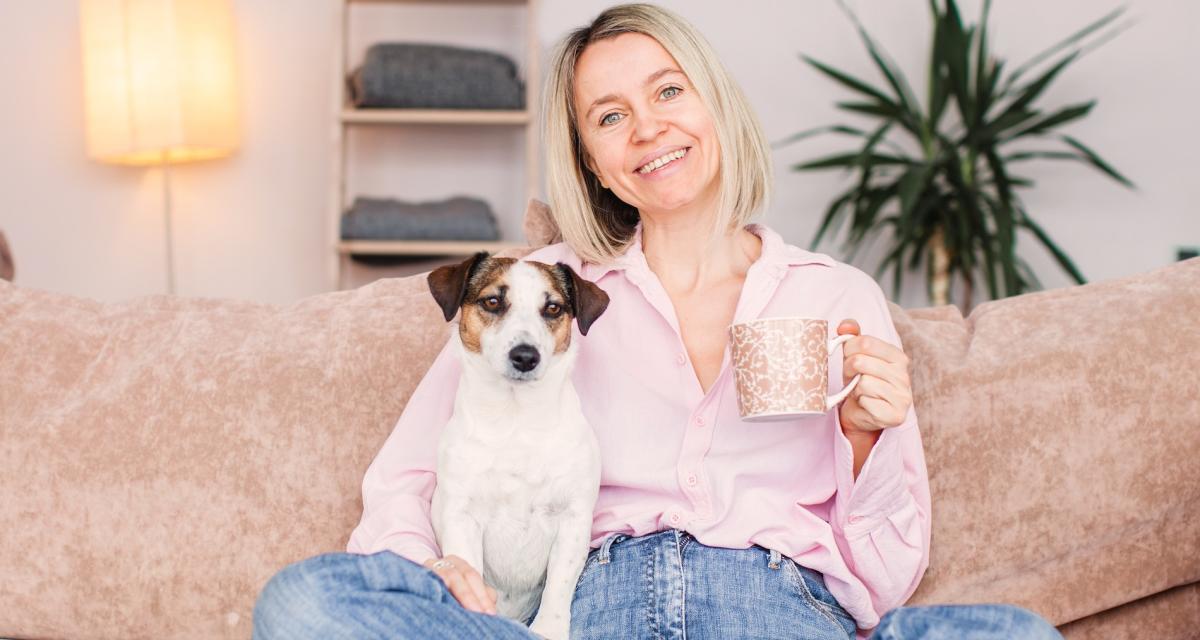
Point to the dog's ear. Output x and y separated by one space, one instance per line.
587 300
449 283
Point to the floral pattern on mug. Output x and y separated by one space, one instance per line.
781 366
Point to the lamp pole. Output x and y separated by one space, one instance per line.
166 170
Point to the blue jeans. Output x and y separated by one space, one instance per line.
663 585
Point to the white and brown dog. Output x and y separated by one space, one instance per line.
518 467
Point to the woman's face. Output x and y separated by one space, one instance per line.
649 137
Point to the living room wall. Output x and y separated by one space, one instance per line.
253 226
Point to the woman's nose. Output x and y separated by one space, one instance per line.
647 126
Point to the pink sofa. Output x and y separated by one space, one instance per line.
163 457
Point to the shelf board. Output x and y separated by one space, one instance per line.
434 116
422 247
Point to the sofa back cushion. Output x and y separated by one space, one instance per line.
1062 437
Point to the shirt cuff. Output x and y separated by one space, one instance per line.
879 491
408 546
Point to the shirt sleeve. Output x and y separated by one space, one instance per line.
398 486
881 520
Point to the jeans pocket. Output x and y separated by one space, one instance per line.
589 567
809 585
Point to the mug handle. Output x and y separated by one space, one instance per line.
830 401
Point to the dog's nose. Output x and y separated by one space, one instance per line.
524 357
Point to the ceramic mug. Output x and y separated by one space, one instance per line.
782 368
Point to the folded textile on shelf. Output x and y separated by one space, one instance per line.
457 218
430 76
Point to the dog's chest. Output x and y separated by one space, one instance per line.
524 478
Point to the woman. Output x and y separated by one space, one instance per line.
706 526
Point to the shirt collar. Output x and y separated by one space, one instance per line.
776 254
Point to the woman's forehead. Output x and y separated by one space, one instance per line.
616 64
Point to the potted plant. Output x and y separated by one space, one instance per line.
948 187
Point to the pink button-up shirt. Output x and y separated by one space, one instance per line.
676 457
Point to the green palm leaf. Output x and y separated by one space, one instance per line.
1069 41
1063 260
1097 162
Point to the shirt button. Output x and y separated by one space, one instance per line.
681 359
692 480
699 421
855 519
674 518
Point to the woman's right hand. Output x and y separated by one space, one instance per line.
465 583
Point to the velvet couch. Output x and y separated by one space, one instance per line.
161 458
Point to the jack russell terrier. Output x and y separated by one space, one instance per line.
518 466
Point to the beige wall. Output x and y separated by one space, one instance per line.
253 226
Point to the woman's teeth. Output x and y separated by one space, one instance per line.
659 162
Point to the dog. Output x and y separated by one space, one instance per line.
518 466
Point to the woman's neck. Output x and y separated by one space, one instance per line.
686 258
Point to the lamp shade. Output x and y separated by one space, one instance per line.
159 80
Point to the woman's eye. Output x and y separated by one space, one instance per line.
668 93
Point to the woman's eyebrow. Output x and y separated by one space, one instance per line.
612 97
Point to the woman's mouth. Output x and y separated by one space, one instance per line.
662 161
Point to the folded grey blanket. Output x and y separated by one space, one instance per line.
458 218
430 76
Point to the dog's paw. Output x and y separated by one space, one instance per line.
552 627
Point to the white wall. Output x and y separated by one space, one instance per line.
253 226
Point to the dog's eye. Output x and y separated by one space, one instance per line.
491 303
552 309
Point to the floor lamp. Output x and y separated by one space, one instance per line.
159 86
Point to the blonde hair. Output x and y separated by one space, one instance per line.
596 224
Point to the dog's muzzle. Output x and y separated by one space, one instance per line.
524 358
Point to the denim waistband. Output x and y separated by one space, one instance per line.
604 553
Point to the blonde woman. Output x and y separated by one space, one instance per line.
706 527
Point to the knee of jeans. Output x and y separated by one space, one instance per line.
999 621
1027 624
288 597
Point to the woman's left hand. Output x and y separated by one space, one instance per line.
882 397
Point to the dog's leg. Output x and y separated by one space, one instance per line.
463 536
567 556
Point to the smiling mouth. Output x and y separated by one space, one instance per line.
664 160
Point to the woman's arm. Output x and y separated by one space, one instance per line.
880 515
398 486
861 444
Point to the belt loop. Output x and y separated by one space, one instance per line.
775 558
607 544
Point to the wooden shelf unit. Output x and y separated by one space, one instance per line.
347 117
